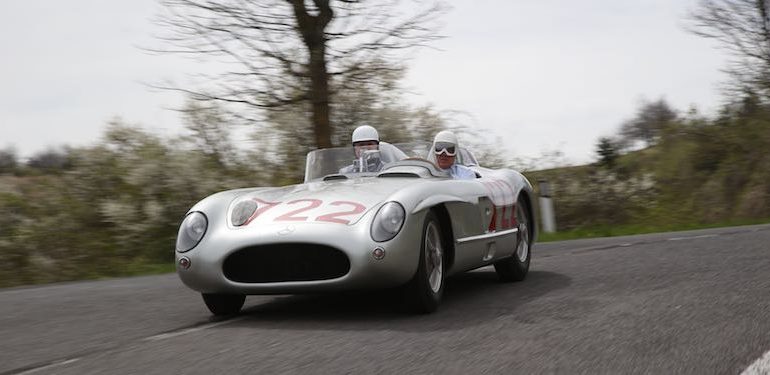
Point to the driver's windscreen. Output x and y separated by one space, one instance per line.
343 160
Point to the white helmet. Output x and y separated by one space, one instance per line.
446 136
365 133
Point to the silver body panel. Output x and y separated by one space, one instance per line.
339 213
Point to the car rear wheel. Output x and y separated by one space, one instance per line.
224 304
515 267
425 290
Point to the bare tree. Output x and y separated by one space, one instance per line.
743 29
210 132
284 52
650 119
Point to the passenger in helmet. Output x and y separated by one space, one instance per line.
444 152
366 145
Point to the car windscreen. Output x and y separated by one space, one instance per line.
343 160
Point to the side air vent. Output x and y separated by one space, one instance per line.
399 174
333 177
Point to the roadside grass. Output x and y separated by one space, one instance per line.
627 230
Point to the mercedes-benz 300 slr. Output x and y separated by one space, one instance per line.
387 221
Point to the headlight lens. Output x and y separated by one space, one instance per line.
242 212
191 231
388 221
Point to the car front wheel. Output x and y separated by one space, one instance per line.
224 304
425 290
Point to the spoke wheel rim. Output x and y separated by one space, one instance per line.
434 257
522 251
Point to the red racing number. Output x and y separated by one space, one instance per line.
290 215
333 217
355 208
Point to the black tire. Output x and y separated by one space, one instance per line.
516 267
425 290
224 304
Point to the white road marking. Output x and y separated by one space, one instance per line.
169 335
49 366
691 237
760 367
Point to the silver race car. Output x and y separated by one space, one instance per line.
382 220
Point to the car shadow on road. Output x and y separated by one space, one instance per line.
470 298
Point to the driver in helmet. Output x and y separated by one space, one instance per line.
366 144
445 150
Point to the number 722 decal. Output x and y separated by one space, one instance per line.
301 207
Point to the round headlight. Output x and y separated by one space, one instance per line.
242 212
191 231
387 222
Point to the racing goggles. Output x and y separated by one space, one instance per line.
446 148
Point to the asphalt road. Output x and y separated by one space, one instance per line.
687 302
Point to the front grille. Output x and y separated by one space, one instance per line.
286 262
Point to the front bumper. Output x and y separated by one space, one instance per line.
212 261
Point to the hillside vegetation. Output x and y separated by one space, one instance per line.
694 173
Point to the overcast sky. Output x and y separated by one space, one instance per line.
545 75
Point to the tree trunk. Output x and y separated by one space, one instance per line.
319 96
311 29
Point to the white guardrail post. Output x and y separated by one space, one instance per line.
546 207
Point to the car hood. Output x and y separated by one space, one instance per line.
339 201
